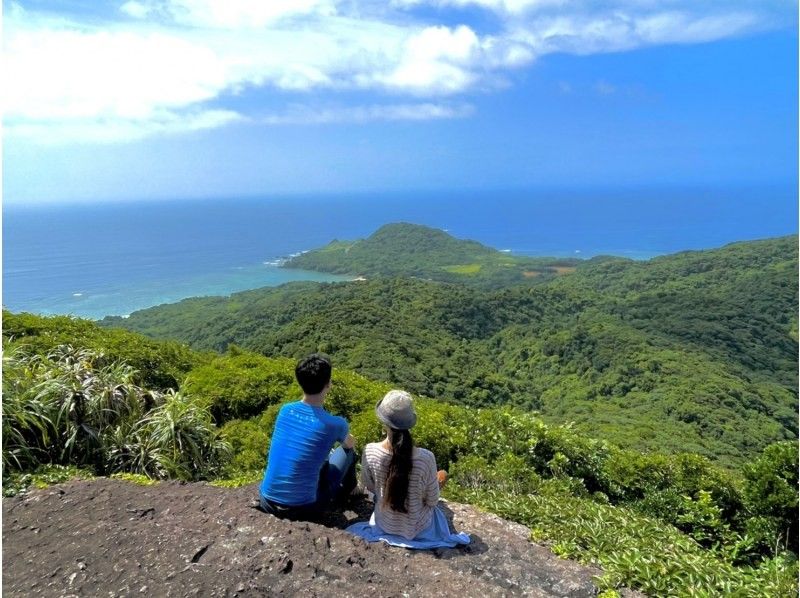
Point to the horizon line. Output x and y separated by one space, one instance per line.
399 193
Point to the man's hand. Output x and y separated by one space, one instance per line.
349 442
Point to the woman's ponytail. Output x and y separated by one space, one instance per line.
399 470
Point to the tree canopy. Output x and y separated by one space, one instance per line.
693 351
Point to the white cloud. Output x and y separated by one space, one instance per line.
682 27
307 115
437 60
230 14
767 10
164 61
507 6
117 130
137 10
590 34
77 74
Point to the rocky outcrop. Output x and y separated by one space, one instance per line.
112 538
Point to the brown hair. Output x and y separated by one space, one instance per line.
399 470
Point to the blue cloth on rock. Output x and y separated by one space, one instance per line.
436 535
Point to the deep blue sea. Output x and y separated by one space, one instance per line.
94 260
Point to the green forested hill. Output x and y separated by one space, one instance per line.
411 250
694 351
666 524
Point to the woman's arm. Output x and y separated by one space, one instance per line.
366 474
431 496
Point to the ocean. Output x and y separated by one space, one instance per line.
98 259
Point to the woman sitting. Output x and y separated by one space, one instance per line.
405 484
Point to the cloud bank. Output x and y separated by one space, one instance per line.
153 67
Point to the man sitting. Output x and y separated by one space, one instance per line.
303 476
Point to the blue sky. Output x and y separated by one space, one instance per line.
198 98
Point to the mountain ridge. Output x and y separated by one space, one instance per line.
702 341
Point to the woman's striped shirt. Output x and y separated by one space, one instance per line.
423 490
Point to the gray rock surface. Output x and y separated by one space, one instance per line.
112 538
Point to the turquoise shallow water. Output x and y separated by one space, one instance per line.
123 298
94 260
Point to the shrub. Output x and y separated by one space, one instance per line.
351 394
158 365
179 440
133 478
237 481
64 407
250 441
770 492
75 407
509 473
242 384
45 475
633 551
442 429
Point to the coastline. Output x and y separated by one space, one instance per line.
123 298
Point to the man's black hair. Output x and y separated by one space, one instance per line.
313 373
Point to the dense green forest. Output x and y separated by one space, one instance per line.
695 351
82 401
641 416
411 250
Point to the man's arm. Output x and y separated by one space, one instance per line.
344 437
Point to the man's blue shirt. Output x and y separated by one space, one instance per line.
301 441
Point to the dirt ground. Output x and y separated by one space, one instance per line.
113 538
